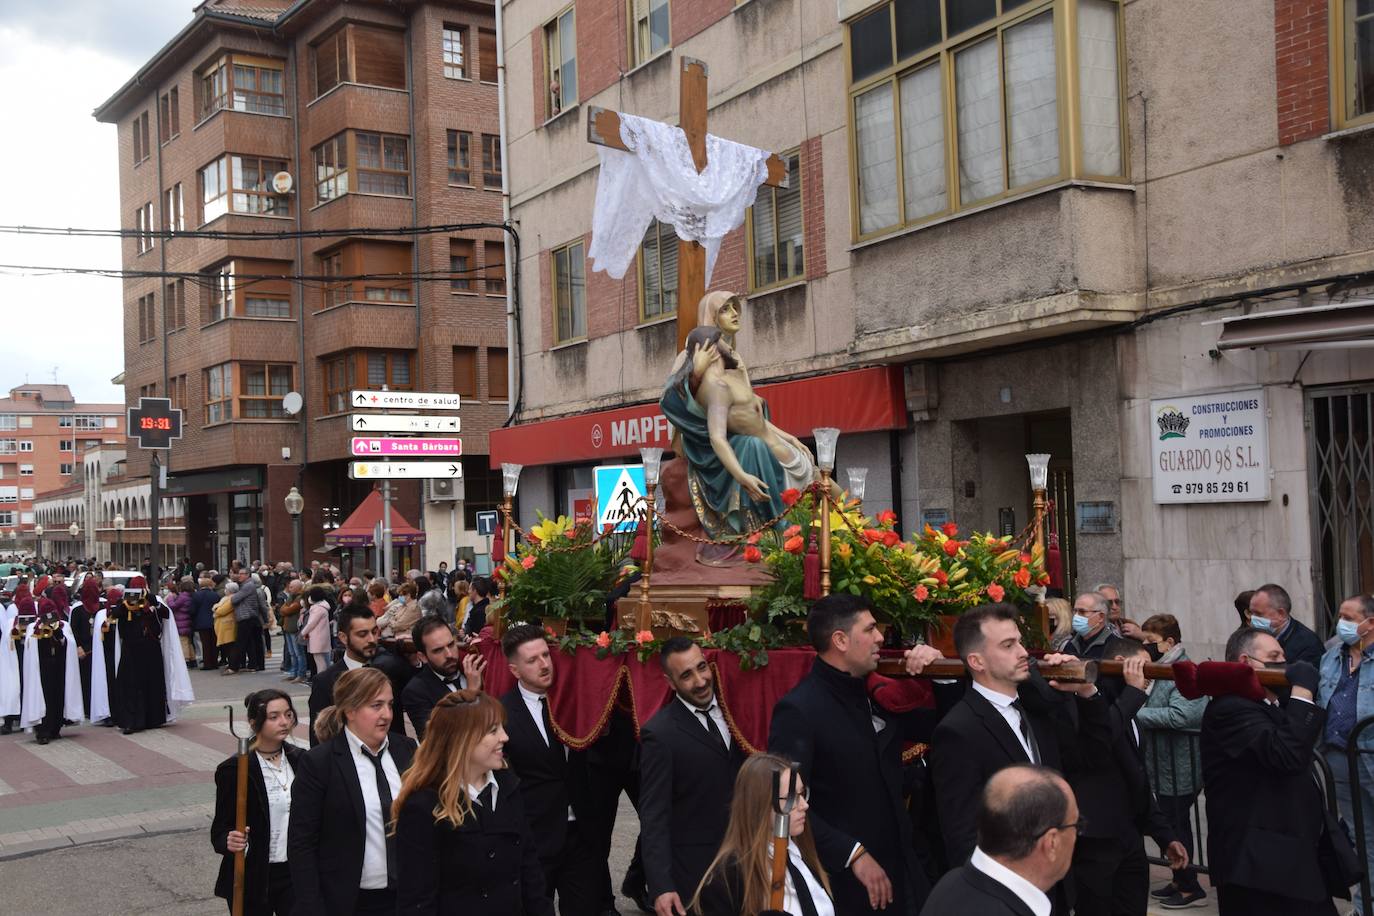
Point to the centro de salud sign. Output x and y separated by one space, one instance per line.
1210 448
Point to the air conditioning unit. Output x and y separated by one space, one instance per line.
446 488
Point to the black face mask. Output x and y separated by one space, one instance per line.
1153 649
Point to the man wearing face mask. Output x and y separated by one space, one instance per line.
1346 692
1264 811
1271 611
1091 629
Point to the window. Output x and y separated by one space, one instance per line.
174 209
147 318
331 169
465 371
494 269
177 392
174 305
9 494
10 421
999 64
658 272
63 422
241 83
648 29
1353 32
338 380
460 264
256 305
569 293
775 231
392 369
25 470
64 468
242 184
169 114
491 162
262 389
147 391
25 445
459 157
498 383
366 272
26 492
6 518
486 55
335 293
143 222
8 446
365 368
560 61
26 421
360 54
219 294
66 445
88 421
453 42
219 393
140 136
261 295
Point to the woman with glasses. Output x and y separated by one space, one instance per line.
462 837
739 878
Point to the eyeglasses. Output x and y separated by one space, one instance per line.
804 793
1080 825
1116 601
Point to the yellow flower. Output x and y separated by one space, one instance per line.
870 580
549 528
844 550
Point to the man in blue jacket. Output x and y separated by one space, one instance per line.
203 601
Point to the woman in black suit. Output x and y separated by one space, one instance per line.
271 770
461 833
739 878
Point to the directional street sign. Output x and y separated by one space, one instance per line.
421 448
154 423
407 470
486 523
405 423
404 400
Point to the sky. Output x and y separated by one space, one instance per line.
59 59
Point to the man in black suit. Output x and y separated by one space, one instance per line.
342 860
1271 611
850 753
1007 716
477 610
688 762
359 634
1028 824
553 779
1264 811
440 674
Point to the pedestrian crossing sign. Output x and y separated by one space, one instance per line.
619 496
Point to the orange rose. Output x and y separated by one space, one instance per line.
528 562
752 554
792 531
603 639
790 496
996 592
753 538
952 547
644 636
891 538
950 529
1022 577
941 576
920 593
871 535
794 544
887 517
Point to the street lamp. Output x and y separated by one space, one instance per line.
38 540
826 438
858 477
510 482
119 538
295 505
652 458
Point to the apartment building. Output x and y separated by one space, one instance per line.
1070 227
44 435
306 147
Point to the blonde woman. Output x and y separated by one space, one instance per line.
341 858
1061 622
227 629
738 880
464 841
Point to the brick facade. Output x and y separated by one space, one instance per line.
1302 62
813 207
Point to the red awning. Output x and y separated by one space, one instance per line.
358 530
858 401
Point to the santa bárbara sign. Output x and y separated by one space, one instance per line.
1210 448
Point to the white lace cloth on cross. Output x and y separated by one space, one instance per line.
659 180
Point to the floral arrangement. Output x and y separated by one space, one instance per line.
562 568
911 583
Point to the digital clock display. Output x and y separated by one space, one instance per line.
155 423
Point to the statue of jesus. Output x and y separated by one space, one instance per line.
739 463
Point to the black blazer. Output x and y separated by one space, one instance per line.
723 895
1264 812
550 779
259 827
972 743
327 834
854 772
968 892
322 694
487 865
1300 644
686 780
420 695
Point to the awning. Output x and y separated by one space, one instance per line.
857 401
358 529
1317 327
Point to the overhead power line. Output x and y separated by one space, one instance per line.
245 236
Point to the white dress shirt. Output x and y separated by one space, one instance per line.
716 715
278 780
1030 895
791 904
532 703
351 665
1002 703
374 852
475 791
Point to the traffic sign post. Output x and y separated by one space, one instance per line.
404 400
403 470
416 448
405 423
486 523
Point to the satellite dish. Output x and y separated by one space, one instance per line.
291 402
281 182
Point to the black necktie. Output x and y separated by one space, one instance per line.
384 793
1027 733
711 727
808 906
484 806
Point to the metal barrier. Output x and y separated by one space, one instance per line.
1161 743
1352 756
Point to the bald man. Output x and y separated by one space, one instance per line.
1027 828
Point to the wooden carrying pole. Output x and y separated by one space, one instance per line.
240 813
1076 672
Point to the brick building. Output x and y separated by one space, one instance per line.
44 436
333 121
1037 225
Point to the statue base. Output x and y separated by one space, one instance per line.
685 610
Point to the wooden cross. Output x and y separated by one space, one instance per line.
603 129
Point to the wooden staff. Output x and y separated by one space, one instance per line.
240 814
782 835
1075 672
